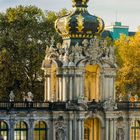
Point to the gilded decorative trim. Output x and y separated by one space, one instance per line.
84 1
74 2
80 22
100 27
67 24
77 36
81 9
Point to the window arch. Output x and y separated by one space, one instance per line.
20 131
4 130
40 131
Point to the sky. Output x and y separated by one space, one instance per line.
125 11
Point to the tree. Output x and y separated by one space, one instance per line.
128 58
24 34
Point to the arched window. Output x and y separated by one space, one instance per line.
92 80
92 129
40 131
4 130
135 130
20 131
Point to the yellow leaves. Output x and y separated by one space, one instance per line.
128 51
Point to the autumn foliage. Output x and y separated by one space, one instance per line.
128 59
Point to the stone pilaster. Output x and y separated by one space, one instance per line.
11 130
50 130
31 129
70 134
107 129
111 128
47 87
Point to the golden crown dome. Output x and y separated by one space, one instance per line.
79 23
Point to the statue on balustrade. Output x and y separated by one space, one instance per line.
11 96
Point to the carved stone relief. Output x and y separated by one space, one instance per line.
109 104
120 132
60 133
94 51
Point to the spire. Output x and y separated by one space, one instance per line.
79 3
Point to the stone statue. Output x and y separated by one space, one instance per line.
11 96
105 43
52 41
71 63
60 135
61 51
51 52
85 43
59 45
66 59
77 50
93 51
107 52
24 96
96 42
120 134
109 104
136 97
111 52
30 97
91 43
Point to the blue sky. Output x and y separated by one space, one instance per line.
128 11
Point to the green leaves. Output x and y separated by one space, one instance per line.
24 34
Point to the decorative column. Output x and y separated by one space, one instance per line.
77 86
109 76
47 86
70 130
64 89
70 88
60 88
12 122
65 84
75 129
114 125
102 133
79 129
111 129
81 79
82 129
71 82
107 129
101 96
31 130
50 130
